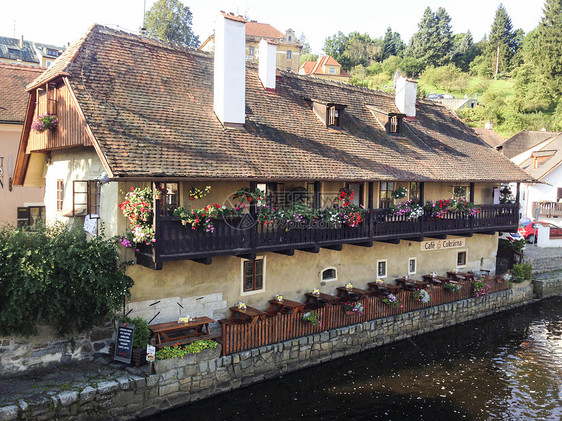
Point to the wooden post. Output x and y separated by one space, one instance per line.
157 246
370 205
517 198
317 191
471 195
422 203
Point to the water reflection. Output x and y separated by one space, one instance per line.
503 367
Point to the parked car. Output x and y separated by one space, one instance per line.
512 237
530 231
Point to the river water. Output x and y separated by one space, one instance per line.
502 367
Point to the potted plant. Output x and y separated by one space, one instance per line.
391 300
399 193
480 288
45 122
353 308
452 287
421 295
312 318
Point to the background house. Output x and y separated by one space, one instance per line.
180 120
20 51
23 205
288 46
326 67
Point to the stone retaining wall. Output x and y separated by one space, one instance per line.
198 376
544 288
544 264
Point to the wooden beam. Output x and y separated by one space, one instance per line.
471 198
491 232
393 241
439 237
317 191
370 202
290 252
314 249
249 256
204 260
363 244
337 247
466 234
416 239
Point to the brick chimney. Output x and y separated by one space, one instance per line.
268 64
230 70
406 92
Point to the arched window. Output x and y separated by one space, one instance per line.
329 274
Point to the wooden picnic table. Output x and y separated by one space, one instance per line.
321 299
461 276
411 284
436 280
285 306
351 293
250 314
383 289
180 332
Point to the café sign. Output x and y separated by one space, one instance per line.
453 243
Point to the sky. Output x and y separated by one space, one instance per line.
59 22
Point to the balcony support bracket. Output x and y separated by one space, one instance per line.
248 256
290 252
336 247
204 260
314 249
363 244
393 241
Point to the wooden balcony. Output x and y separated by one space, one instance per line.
246 238
547 210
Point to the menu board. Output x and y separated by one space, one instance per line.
124 343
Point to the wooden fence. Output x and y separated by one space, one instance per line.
238 337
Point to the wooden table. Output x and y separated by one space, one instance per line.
321 299
251 314
411 284
174 331
437 280
461 276
383 289
285 306
352 293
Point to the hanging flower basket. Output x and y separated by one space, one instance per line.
45 122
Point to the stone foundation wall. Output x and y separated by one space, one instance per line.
198 376
544 288
544 264
20 353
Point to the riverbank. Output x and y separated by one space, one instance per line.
120 393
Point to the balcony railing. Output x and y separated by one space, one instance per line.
547 210
246 237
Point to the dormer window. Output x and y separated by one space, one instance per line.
333 117
393 124
329 113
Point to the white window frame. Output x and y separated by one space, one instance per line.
415 265
385 261
457 258
257 291
328 279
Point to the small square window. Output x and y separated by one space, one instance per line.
253 275
332 70
412 266
461 258
381 268
289 54
251 51
329 274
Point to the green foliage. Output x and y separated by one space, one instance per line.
503 39
171 21
447 78
141 334
177 351
521 272
392 44
307 57
54 276
549 44
432 43
452 287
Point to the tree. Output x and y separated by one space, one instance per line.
392 44
335 46
549 43
503 42
171 21
431 44
305 45
464 50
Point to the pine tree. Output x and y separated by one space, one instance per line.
549 44
502 42
170 20
431 45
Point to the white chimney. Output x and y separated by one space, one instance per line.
268 64
406 92
21 42
230 70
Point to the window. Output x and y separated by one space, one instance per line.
381 268
412 266
357 193
414 189
386 189
332 70
333 116
86 198
461 258
251 51
60 195
171 198
289 54
253 275
29 216
329 274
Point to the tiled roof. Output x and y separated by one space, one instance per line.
150 108
10 50
552 155
262 30
489 136
523 141
13 97
317 67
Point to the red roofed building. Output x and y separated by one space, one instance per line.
288 45
326 67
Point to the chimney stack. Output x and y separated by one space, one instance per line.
21 42
267 64
406 92
230 70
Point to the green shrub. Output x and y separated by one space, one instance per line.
141 334
178 351
54 276
521 272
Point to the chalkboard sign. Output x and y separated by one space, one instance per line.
124 343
